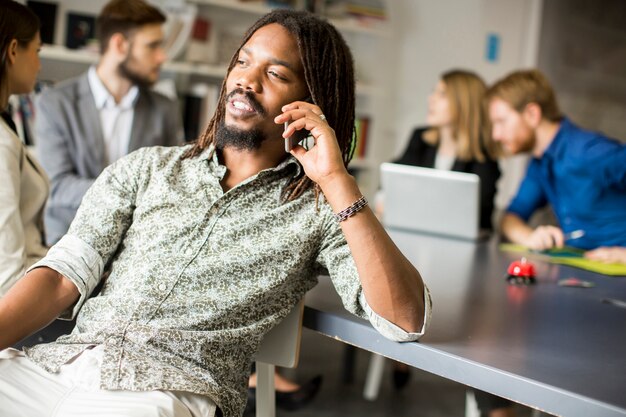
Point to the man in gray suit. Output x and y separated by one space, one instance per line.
87 123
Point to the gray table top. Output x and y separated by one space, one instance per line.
559 349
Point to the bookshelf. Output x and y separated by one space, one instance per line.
231 18
217 72
258 8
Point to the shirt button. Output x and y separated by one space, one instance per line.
188 251
162 287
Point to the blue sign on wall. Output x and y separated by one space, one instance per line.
492 51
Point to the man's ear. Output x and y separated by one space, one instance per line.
532 114
119 44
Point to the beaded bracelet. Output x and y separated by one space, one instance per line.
351 210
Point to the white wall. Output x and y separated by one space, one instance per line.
431 37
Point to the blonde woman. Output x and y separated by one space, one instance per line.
24 186
458 137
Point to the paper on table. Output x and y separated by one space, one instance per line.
568 256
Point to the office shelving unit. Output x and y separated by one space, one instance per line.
366 41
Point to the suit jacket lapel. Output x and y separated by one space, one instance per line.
90 117
138 133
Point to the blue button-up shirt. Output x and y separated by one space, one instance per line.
582 175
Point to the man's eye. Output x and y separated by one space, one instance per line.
275 74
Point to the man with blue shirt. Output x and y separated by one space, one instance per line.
579 173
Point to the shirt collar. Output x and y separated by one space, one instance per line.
555 145
210 155
102 96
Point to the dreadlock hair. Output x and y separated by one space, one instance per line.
329 76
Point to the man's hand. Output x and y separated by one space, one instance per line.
323 163
545 237
609 255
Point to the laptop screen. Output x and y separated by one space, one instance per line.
431 200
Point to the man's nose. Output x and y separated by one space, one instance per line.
249 79
161 55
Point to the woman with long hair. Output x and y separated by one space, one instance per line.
458 136
24 186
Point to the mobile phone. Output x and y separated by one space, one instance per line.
297 137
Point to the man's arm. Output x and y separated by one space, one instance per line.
392 286
33 302
543 237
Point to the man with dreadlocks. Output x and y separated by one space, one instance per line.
206 247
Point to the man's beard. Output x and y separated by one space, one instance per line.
133 76
245 140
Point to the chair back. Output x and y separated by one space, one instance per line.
281 345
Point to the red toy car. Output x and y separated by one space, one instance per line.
521 272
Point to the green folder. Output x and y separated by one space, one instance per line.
568 256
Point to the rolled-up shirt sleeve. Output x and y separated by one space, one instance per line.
392 331
78 262
98 229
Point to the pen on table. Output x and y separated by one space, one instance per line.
615 302
574 234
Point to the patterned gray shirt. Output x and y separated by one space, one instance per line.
196 276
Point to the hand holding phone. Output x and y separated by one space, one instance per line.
297 137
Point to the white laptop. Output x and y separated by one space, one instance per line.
431 201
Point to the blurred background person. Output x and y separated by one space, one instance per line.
88 122
458 136
24 185
580 174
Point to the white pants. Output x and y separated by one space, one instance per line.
26 390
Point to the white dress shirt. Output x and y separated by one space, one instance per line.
116 119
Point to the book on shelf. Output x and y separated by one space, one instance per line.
282 4
202 46
374 9
277 4
80 30
358 9
47 13
361 127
